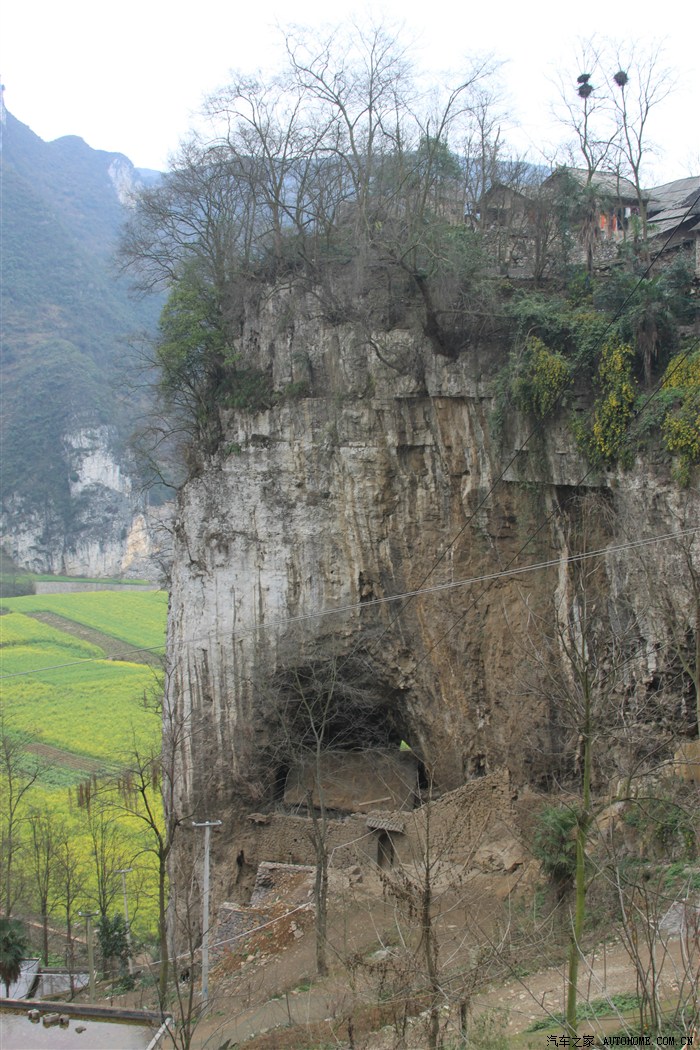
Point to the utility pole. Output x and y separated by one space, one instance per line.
207 825
89 916
124 872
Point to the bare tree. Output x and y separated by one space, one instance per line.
43 852
17 778
670 617
637 87
108 853
147 789
181 998
581 662
359 83
653 913
319 707
586 111
338 159
443 949
69 887
676 597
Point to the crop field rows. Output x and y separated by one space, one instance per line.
136 619
79 712
68 695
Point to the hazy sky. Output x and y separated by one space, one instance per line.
130 76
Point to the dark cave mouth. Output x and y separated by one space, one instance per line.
356 733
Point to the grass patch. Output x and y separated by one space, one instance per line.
609 1007
133 618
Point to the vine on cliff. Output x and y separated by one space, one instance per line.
540 379
607 440
681 427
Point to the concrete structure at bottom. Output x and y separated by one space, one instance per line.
42 1025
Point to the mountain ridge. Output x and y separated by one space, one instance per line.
69 329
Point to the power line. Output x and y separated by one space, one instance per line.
436 588
539 426
408 596
546 521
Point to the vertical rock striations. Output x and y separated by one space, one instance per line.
370 477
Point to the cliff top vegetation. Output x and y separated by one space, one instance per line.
397 206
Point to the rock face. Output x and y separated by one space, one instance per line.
384 481
68 360
113 531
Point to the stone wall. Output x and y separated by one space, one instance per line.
472 827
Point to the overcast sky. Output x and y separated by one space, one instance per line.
130 76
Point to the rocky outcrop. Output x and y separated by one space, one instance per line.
386 479
109 529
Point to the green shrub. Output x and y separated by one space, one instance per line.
554 844
488 1031
681 427
666 825
113 938
575 330
247 388
614 1004
13 580
540 379
606 441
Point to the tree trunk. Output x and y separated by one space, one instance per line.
70 954
163 933
430 958
581 839
45 933
321 892
319 836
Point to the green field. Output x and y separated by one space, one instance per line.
130 617
49 577
79 716
93 708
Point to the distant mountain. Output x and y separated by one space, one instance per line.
68 328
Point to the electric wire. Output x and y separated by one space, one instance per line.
540 425
436 588
548 519
407 596
487 579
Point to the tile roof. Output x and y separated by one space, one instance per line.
677 194
385 822
608 182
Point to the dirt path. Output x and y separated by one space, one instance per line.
317 1016
56 756
113 648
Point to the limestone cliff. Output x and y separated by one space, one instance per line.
376 482
113 531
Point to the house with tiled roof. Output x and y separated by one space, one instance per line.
616 198
674 218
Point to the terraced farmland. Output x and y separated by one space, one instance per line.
77 713
136 619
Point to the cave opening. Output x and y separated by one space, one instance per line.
280 781
342 714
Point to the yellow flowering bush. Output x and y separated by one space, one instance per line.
542 378
614 409
681 427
